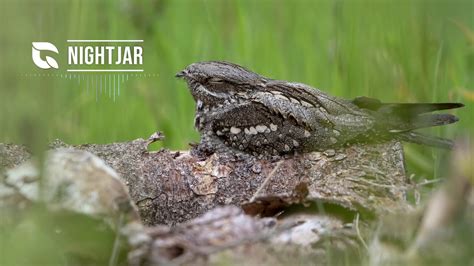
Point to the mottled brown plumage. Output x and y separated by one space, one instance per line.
245 111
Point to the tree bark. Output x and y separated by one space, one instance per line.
171 187
320 206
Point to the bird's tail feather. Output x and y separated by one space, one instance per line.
401 118
402 109
412 109
428 120
418 138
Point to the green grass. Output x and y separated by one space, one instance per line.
398 51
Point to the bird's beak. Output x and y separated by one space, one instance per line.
181 74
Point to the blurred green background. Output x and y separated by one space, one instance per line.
397 51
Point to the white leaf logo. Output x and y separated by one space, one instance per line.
35 54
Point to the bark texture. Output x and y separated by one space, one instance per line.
170 187
173 208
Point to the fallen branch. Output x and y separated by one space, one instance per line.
312 199
170 187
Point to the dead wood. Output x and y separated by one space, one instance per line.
317 204
170 187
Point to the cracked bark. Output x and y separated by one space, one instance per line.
188 212
170 187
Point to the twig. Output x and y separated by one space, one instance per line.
369 182
358 232
428 182
269 177
115 250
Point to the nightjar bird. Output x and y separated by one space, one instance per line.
239 109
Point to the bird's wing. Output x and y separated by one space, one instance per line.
311 97
254 127
313 108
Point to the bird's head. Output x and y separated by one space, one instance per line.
216 83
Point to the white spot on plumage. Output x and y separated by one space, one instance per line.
306 104
253 131
281 97
295 143
293 100
235 130
287 148
261 128
199 105
273 127
307 134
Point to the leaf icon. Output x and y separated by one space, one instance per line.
36 55
52 62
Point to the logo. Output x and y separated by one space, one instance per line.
93 55
100 65
36 55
